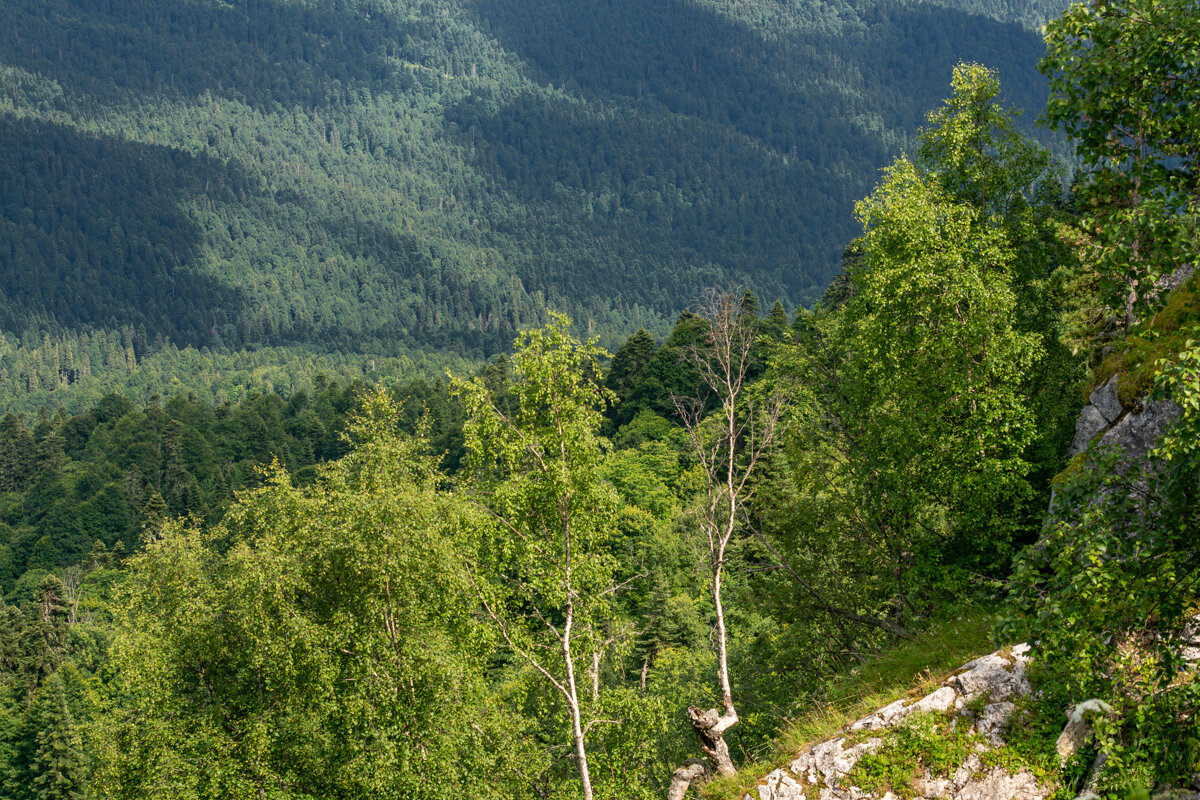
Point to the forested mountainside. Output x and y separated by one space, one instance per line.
394 177
698 565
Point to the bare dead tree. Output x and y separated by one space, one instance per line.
72 583
729 444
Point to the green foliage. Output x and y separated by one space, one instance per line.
320 642
973 148
115 472
666 374
917 419
539 468
1120 88
632 758
1179 381
1110 592
112 472
934 354
626 371
936 357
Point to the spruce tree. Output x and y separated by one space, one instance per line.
57 771
776 322
628 363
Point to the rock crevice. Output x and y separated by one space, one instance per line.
1105 421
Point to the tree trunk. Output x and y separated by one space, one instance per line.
722 647
682 778
710 727
580 750
573 701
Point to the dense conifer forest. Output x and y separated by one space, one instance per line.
353 178
246 551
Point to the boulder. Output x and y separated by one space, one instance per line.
995 676
1079 729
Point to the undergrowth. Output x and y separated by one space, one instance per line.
1162 336
924 742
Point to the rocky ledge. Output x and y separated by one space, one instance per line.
983 690
1104 421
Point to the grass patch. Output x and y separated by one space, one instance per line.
910 669
735 787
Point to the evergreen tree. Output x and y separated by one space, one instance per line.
776 322
628 363
58 769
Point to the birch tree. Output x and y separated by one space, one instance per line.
547 578
321 642
729 444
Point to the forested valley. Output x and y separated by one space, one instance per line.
329 492
384 188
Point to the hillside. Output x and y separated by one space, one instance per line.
393 177
747 559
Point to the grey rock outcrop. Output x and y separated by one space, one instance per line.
1079 730
822 770
993 720
1105 400
972 782
1090 423
1138 433
1102 411
1104 421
